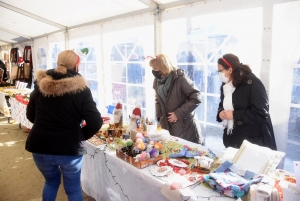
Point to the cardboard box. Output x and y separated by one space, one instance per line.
139 164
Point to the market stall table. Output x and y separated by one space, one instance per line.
106 177
18 113
4 108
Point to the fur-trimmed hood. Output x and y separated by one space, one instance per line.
53 83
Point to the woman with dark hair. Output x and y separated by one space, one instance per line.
244 105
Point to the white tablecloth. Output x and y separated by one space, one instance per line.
18 112
4 109
106 177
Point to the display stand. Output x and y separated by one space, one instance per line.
20 73
28 60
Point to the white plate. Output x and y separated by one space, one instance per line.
160 171
158 162
177 163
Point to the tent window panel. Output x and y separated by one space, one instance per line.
56 49
137 94
213 80
42 58
85 48
135 73
212 108
200 110
93 85
296 86
119 92
294 125
127 71
119 72
91 70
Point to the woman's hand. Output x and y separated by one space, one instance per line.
172 117
226 114
221 115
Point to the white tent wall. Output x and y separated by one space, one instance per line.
285 54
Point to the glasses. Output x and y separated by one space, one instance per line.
219 71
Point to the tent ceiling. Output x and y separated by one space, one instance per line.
24 20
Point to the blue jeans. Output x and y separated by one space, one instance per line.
52 166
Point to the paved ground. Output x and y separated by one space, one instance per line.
20 179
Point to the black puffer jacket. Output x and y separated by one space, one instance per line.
252 120
56 107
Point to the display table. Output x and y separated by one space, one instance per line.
18 113
4 109
106 177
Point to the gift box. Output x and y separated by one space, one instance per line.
138 164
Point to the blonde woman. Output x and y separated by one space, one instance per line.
60 101
176 100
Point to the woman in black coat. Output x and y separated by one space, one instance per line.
244 105
59 103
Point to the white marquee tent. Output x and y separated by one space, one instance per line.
264 33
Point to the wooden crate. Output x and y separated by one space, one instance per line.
139 164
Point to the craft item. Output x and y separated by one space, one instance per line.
125 136
118 115
161 135
134 119
191 152
139 164
111 132
177 153
110 109
211 153
151 129
177 163
203 162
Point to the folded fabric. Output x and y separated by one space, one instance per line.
230 183
177 153
190 153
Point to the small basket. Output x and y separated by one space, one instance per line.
138 164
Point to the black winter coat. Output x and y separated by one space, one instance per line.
57 106
252 120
